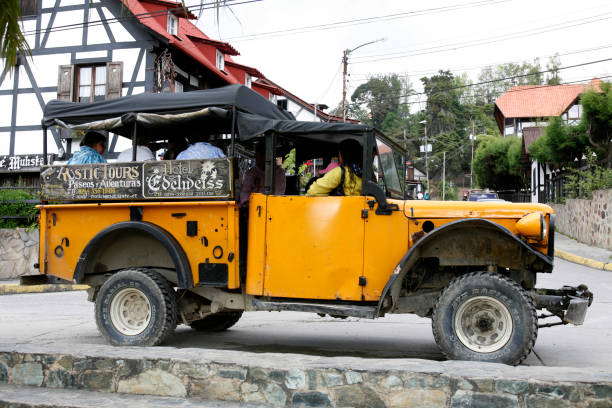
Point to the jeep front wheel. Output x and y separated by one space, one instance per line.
136 307
485 317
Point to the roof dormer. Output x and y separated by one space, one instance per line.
172 26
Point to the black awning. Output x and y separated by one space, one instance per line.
238 96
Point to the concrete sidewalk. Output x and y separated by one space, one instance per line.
577 252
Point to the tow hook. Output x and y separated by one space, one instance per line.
569 304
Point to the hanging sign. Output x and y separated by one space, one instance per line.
23 162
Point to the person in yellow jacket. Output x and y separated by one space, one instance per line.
344 179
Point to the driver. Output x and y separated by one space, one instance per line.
344 179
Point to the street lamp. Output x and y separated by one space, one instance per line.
424 123
345 63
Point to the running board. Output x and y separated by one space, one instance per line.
368 312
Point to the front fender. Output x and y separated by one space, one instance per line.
467 242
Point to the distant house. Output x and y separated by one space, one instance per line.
301 109
85 51
524 111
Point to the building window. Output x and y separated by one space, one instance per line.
91 82
282 103
575 112
220 60
178 87
247 80
28 7
172 24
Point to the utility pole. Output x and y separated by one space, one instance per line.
345 55
426 160
443 176
344 63
472 136
404 139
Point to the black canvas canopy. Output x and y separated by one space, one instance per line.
202 112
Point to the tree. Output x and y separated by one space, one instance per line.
597 121
444 111
497 163
518 74
12 41
559 144
380 97
552 77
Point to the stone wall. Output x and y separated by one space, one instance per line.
588 221
18 252
312 386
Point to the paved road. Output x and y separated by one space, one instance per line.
67 318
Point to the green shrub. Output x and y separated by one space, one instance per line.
12 203
582 183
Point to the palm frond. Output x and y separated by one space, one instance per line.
12 41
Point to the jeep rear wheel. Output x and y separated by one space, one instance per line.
485 316
216 322
136 307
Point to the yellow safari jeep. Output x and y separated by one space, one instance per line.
165 242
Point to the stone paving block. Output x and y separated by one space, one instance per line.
467 399
28 374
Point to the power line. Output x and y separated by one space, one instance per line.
483 41
524 88
359 21
152 14
474 67
511 77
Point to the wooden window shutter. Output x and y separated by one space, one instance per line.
114 79
65 83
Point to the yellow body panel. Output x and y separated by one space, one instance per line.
79 223
386 242
314 247
256 254
298 247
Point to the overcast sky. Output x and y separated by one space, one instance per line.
309 63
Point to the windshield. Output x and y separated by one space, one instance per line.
387 160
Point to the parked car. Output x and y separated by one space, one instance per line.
477 195
165 242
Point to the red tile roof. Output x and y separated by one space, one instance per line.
190 39
176 8
535 101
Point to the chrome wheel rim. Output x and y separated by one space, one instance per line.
483 324
130 312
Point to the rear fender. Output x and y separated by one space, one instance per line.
468 242
176 256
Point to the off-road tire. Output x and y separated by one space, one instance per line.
216 322
469 288
145 284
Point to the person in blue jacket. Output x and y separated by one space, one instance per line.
92 148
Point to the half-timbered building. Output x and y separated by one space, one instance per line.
89 50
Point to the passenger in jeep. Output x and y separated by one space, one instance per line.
92 148
254 178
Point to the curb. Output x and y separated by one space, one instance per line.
47 288
281 380
583 261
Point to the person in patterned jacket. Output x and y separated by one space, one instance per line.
92 147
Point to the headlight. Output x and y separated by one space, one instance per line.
532 226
